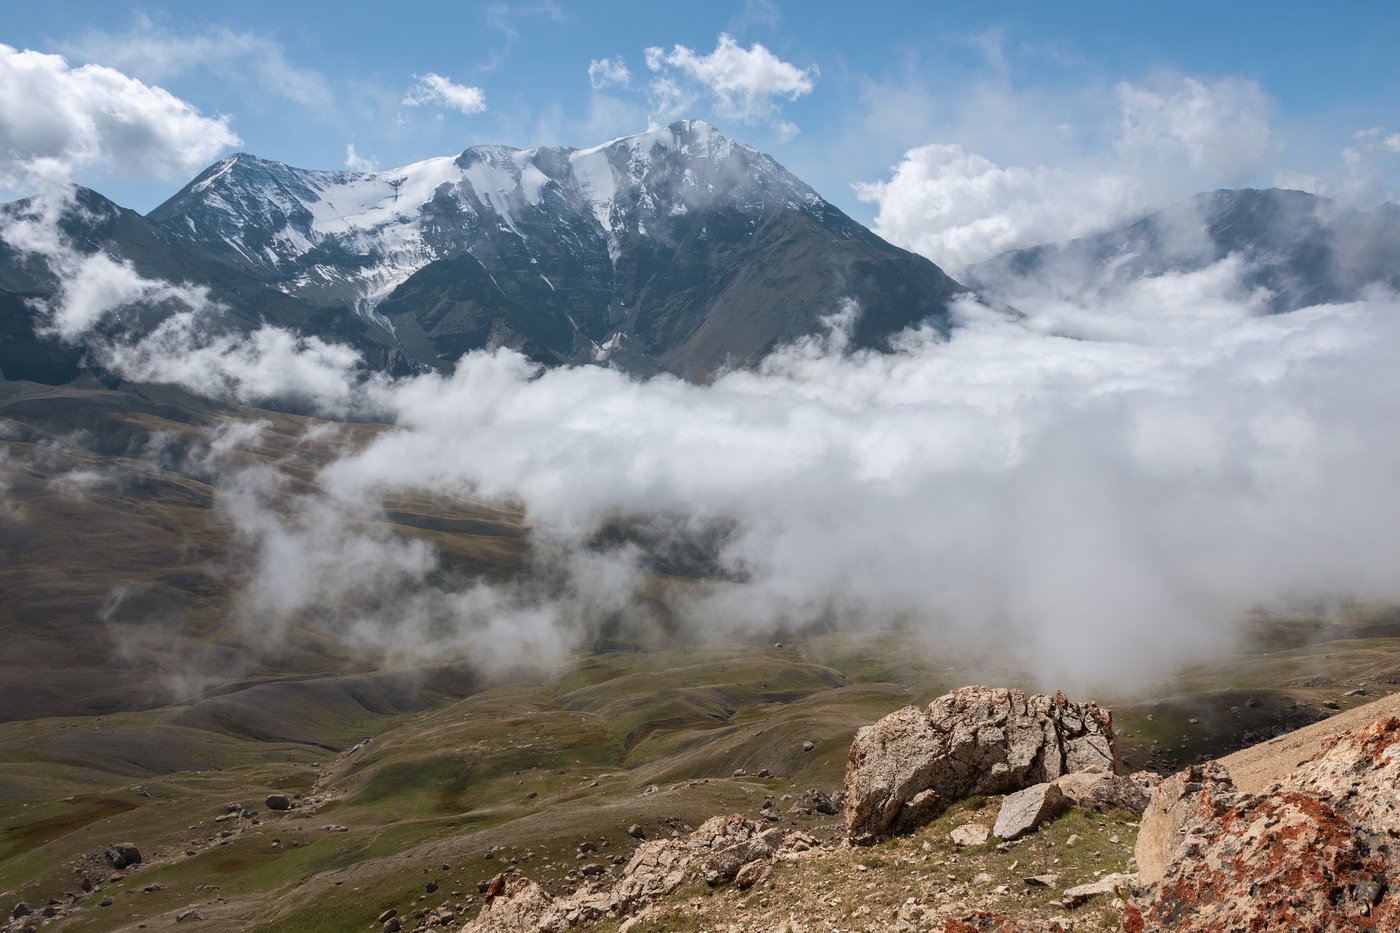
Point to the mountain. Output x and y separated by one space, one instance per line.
1304 249
91 223
677 249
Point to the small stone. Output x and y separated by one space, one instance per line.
105 902
392 925
970 834
430 887
635 831
1041 881
808 746
21 910
191 914
765 773
391 912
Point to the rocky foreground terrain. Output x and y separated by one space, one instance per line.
1311 851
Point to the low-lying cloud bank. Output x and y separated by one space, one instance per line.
1096 490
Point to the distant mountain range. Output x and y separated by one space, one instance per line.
1304 249
675 250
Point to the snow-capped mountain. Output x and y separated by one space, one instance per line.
674 249
299 226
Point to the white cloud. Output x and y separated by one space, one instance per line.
609 72
55 119
1220 128
433 88
957 207
744 83
358 163
1059 489
153 53
1172 140
1363 175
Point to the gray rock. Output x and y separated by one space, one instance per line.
635 831
970 834
1024 811
1108 884
277 802
755 872
1102 791
123 854
907 768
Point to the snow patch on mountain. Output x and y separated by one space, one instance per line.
353 237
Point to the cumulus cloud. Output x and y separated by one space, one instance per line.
745 84
358 163
609 72
56 119
434 89
154 53
1220 128
958 207
1363 175
1174 137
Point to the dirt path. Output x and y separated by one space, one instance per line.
1257 767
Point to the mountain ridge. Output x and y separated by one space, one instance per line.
675 250
1304 249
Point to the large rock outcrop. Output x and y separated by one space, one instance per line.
719 851
1314 852
907 768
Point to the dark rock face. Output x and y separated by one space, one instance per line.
908 767
1313 853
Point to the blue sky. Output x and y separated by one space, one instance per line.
841 94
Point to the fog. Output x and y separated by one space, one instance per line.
1095 489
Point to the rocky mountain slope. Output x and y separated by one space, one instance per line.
1304 249
675 249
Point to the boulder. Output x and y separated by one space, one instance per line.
753 873
277 802
123 855
1311 853
724 848
1118 884
521 904
1172 806
1024 811
1103 791
813 800
910 766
